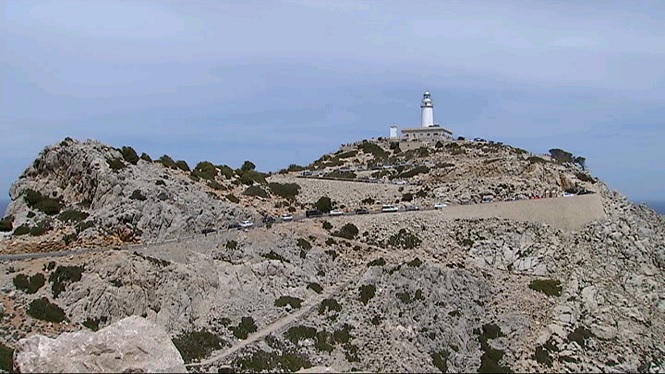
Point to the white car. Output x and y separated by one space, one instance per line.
389 208
287 217
567 194
336 212
246 224
440 205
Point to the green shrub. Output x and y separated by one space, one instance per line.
324 204
42 228
440 360
72 215
255 191
231 244
584 177
304 244
145 157
415 262
226 171
44 310
116 164
205 170
272 255
244 328
373 149
378 262
195 345
413 172
271 362
404 239
167 161
30 214
82 226
29 285
348 154
6 359
368 201
550 287
250 176
138 195
536 160
64 275
348 231
327 225
285 190
129 154
329 304
580 335
367 292
283 301
332 253
407 197
7 224
232 198
247 166
315 287
216 186
42 203
24 229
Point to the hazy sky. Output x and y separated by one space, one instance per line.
280 82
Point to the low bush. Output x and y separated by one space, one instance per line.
416 262
404 239
440 360
367 292
283 301
232 198
145 157
6 359
298 333
195 345
29 285
272 255
64 275
255 191
285 190
327 225
24 229
93 323
138 195
286 361
72 215
330 305
304 244
7 224
348 154
40 229
413 172
407 197
231 244
550 287
116 164
244 328
41 202
324 204
584 177
315 287
129 154
348 231
182 165
536 160
378 262
44 310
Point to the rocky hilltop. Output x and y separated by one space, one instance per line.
549 284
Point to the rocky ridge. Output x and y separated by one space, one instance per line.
411 291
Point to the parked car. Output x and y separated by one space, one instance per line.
362 211
246 224
336 212
440 205
268 219
411 208
234 225
313 213
389 208
208 230
286 217
566 194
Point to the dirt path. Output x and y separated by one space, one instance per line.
279 324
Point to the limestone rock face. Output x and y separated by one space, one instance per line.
130 345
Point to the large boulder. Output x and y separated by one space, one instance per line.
133 344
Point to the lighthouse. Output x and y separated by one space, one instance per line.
427 111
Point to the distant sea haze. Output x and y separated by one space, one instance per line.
658 206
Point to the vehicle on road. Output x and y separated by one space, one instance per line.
336 212
208 230
268 219
440 205
389 208
410 208
313 213
362 211
286 217
566 194
233 225
246 224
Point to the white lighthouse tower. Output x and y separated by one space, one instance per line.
427 111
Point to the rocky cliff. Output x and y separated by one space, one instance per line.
418 291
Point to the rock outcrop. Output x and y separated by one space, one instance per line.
131 345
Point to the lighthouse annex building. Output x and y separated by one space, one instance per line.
428 130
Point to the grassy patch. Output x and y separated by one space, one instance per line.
550 287
44 310
195 345
283 301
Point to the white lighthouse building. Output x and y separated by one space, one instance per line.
427 111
